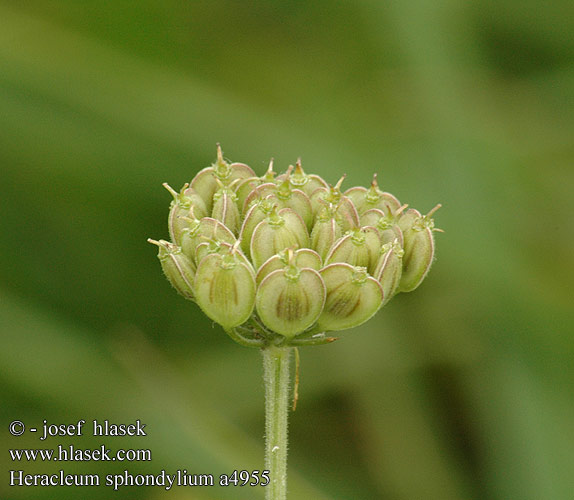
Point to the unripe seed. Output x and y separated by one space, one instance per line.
326 195
199 230
297 200
280 230
326 231
382 218
225 289
257 213
212 246
389 269
225 209
284 196
366 199
244 188
386 223
178 269
290 300
259 193
346 213
372 217
359 247
206 185
391 234
306 183
205 182
419 247
304 257
353 297
186 203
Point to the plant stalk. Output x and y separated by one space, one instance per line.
276 372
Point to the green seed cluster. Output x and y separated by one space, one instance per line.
286 258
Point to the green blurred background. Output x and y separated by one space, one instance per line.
460 390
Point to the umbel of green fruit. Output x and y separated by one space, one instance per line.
284 259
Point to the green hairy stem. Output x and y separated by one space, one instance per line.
276 376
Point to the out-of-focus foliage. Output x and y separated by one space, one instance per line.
461 390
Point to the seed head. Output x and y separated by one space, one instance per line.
285 258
